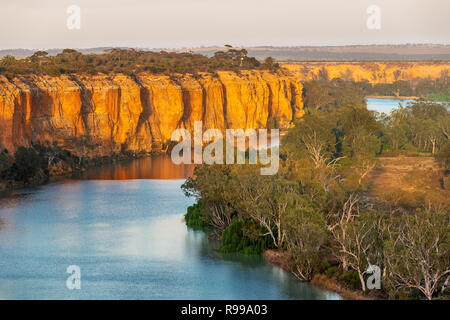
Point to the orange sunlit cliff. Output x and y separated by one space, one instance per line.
98 115
374 72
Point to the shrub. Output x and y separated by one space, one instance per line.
27 164
324 266
6 162
351 278
244 236
195 218
332 271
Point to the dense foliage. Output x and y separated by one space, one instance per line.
34 165
420 126
317 208
195 218
129 61
245 236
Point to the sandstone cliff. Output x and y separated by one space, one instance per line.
98 115
374 72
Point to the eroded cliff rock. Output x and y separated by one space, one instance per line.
98 115
374 72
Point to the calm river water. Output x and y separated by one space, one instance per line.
386 105
123 226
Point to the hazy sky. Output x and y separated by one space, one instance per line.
193 23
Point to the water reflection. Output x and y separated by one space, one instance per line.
9 199
155 167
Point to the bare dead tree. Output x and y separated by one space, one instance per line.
337 223
418 256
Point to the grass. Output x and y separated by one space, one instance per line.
444 97
409 182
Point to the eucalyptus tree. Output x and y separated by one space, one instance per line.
417 250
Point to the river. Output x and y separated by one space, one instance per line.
123 227
386 105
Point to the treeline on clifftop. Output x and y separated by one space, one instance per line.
130 61
318 211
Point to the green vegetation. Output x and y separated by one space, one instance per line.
420 88
27 164
244 236
318 208
130 61
439 97
420 126
33 165
194 217
328 95
319 93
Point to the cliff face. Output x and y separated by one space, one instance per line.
374 72
97 115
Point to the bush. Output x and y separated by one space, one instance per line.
244 236
324 266
351 278
27 164
6 162
195 218
332 272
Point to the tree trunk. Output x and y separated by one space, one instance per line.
344 265
433 142
361 278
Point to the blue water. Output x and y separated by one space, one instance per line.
385 105
130 242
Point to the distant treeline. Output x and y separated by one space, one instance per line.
323 91
420 88
129 61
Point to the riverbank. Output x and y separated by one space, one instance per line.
281 259
67 167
